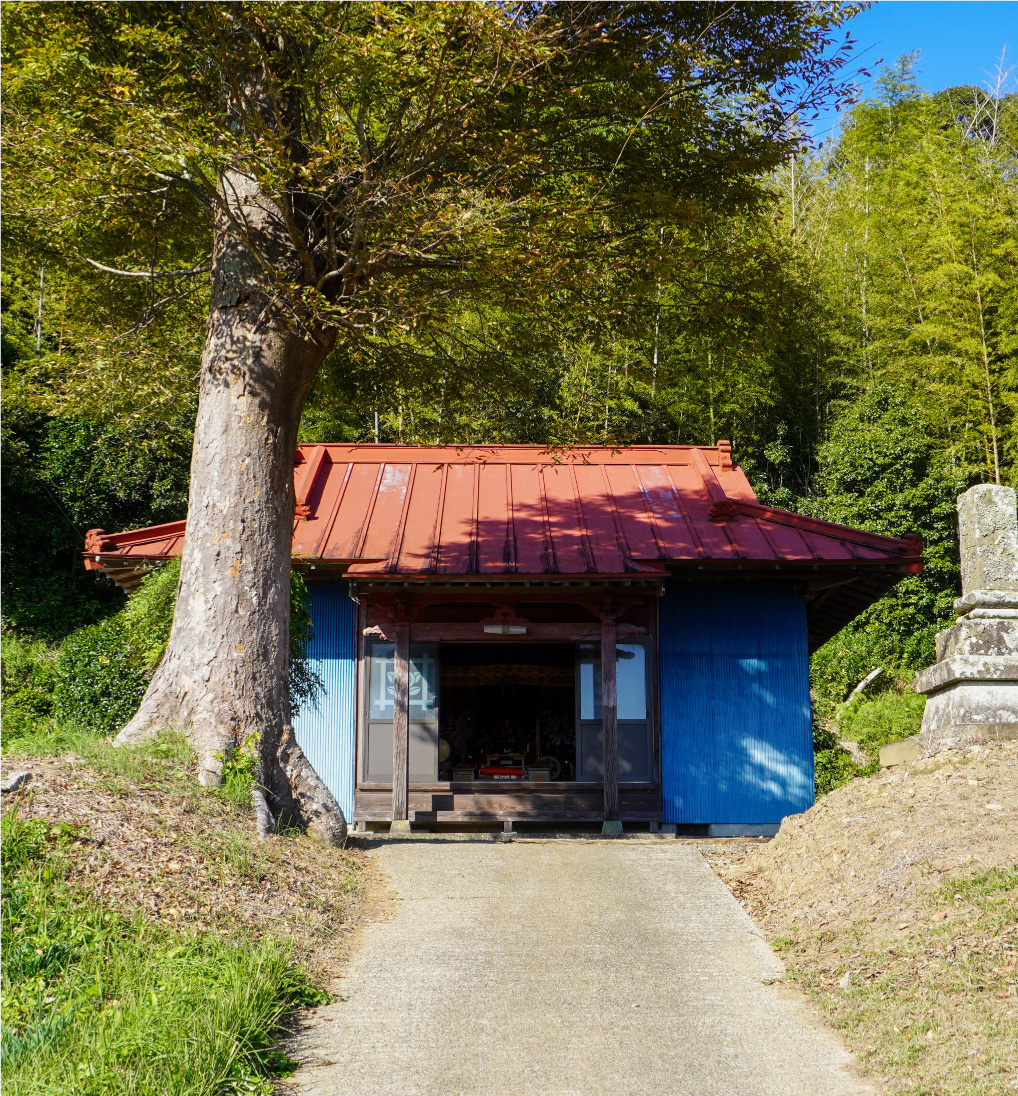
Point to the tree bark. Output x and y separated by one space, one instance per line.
224 678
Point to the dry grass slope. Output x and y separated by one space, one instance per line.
895 901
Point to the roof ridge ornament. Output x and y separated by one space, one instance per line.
722 507
96 540
725 510
312 465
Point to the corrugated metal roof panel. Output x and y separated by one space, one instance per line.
523 510
493 549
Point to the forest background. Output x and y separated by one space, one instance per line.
855 335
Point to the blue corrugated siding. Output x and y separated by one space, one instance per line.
328 733
736 736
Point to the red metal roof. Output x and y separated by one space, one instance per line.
442 511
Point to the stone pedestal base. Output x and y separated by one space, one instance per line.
973 689
972 709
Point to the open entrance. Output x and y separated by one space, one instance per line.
508 712
508 731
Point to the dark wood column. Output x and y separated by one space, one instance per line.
401 725
609 720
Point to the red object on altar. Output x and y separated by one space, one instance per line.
500 772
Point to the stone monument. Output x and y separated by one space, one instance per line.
972 688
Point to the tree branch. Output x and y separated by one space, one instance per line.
149 273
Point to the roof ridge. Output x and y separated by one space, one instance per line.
820 525
720 448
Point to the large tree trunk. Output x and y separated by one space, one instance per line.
223 679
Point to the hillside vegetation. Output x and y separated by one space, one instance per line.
151 943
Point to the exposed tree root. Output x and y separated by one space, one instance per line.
286 790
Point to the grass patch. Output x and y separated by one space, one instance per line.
39 737
96 1002
166 763
934 1012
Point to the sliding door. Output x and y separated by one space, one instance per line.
376 752
636 748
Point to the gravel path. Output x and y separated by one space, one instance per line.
564 968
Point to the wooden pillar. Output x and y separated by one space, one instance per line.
609 721
401 726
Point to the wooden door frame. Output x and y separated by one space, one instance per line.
536 633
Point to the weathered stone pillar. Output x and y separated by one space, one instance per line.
972 688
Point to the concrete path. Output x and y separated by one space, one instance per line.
564 968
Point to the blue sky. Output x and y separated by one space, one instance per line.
959 41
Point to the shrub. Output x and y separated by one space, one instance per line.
872 722
27 680
98 681
832 763
148 614
98 678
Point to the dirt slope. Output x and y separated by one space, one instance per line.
895 902
864 851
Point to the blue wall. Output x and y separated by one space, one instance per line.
328 733
736 735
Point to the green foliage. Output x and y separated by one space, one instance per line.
512 166
904 234
882 470
891 713
305 684
579 178
95 1002
832 763
875 721
98 681
63 476
909 225
832 768
239 772
28 679
148 615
